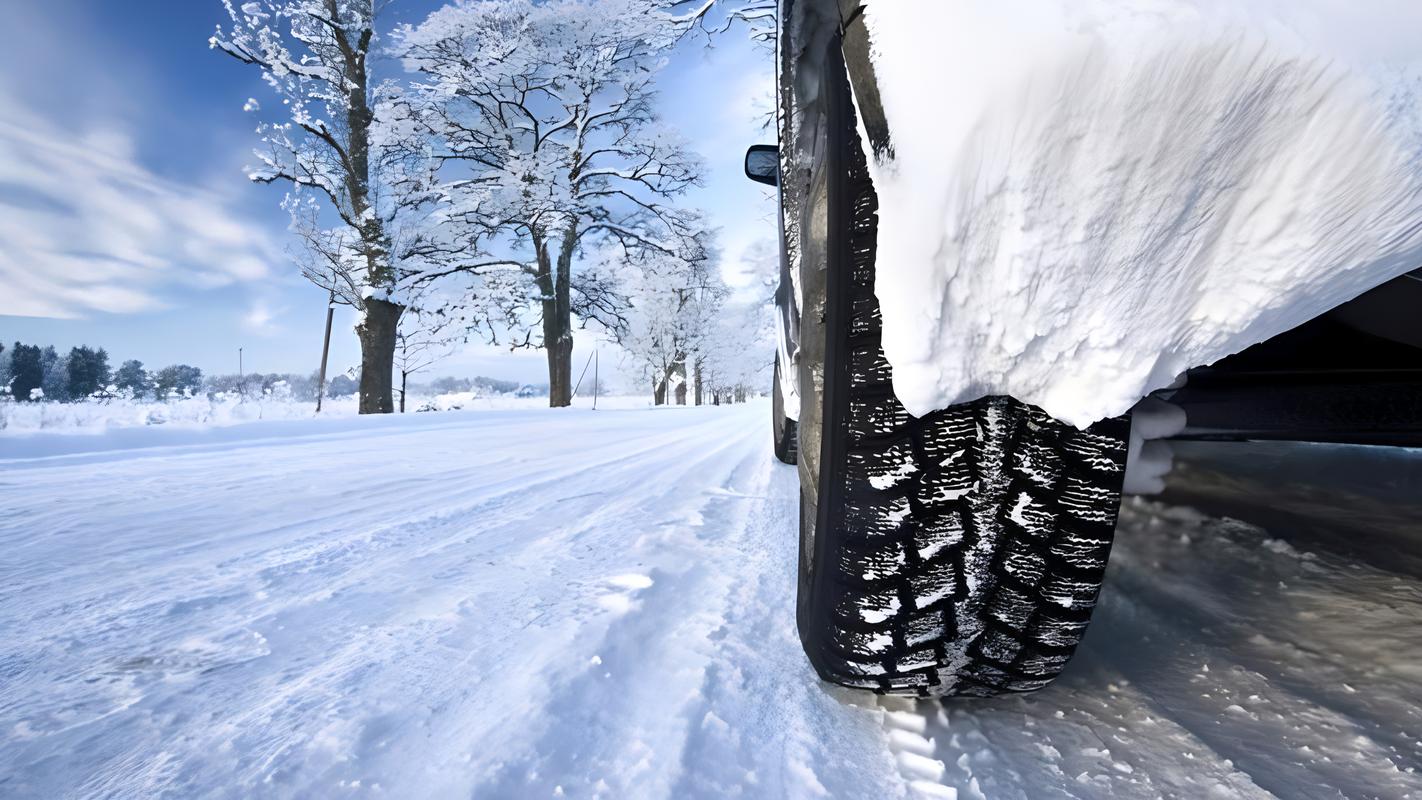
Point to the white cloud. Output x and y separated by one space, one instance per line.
261 319
85 227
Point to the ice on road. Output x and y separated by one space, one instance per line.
540 604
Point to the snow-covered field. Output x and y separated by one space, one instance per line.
536 604
203 411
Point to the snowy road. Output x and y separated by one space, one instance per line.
528 604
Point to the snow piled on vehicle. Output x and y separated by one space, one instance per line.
1082 200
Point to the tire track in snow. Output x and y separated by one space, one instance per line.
319 535
1265 675
761 723
671 465
447 682
647 536
610 610
612 729
1220 664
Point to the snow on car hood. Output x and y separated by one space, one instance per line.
1087 197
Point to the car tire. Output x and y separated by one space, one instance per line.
960 553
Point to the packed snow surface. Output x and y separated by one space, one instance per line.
1084 199
518 604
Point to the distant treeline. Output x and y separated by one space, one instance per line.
30 372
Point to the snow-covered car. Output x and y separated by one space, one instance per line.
1004 225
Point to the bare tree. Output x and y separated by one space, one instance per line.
675 306
546 110
331 144
739 353
424 339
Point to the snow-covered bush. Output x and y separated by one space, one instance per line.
96 415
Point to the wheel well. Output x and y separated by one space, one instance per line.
1352 375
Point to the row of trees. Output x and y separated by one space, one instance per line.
512 179
688 335
29 372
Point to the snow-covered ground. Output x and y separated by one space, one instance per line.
537 604
204 411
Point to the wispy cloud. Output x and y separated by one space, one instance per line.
85 227
261 318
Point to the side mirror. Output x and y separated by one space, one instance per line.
763 164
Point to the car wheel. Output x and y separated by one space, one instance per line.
959 553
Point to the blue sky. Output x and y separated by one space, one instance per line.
125 220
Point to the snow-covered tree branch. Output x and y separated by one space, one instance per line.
672 318
544 115
335 141
424 339
712 17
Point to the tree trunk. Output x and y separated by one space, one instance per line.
555 283
659 391
697 367
377 333
679 368
560 370
404 377
379 330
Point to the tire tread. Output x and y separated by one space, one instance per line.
967 547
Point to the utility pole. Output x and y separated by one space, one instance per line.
326 350
594 380
241 383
